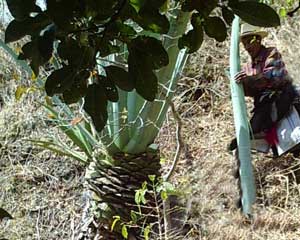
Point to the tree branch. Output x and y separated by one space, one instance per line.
178 140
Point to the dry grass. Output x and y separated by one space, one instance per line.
44 192
41 190
205 171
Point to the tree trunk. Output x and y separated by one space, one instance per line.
113 184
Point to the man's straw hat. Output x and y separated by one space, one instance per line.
247 29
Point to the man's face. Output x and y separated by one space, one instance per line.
252 44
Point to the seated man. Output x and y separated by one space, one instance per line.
265 79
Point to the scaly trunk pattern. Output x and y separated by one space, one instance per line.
114 183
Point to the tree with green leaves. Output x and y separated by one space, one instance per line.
122 60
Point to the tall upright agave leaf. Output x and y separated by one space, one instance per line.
114 178
134 122
241 124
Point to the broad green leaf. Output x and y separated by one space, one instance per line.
227 15
60 80
69 49
110 89
4 214
29 26
149 51
104 9
145 54
124 232
128 12
191 40
256 13
38 51
95 104
204 7
121 31
120 77
20 9
78 88
15 31
62 13
151 19
45 42
215 28
145 81
116 219
196 20
77 56
31 52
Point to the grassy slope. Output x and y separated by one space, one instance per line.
43 191
206 168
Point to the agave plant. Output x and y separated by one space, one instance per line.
114 176
127 156
133 124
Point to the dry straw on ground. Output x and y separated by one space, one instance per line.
44 191
41 190
205 171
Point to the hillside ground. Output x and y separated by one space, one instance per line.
43 191
206 169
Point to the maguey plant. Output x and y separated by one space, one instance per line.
121 60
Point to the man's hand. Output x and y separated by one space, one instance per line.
240 76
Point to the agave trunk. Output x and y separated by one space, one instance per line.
113 183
